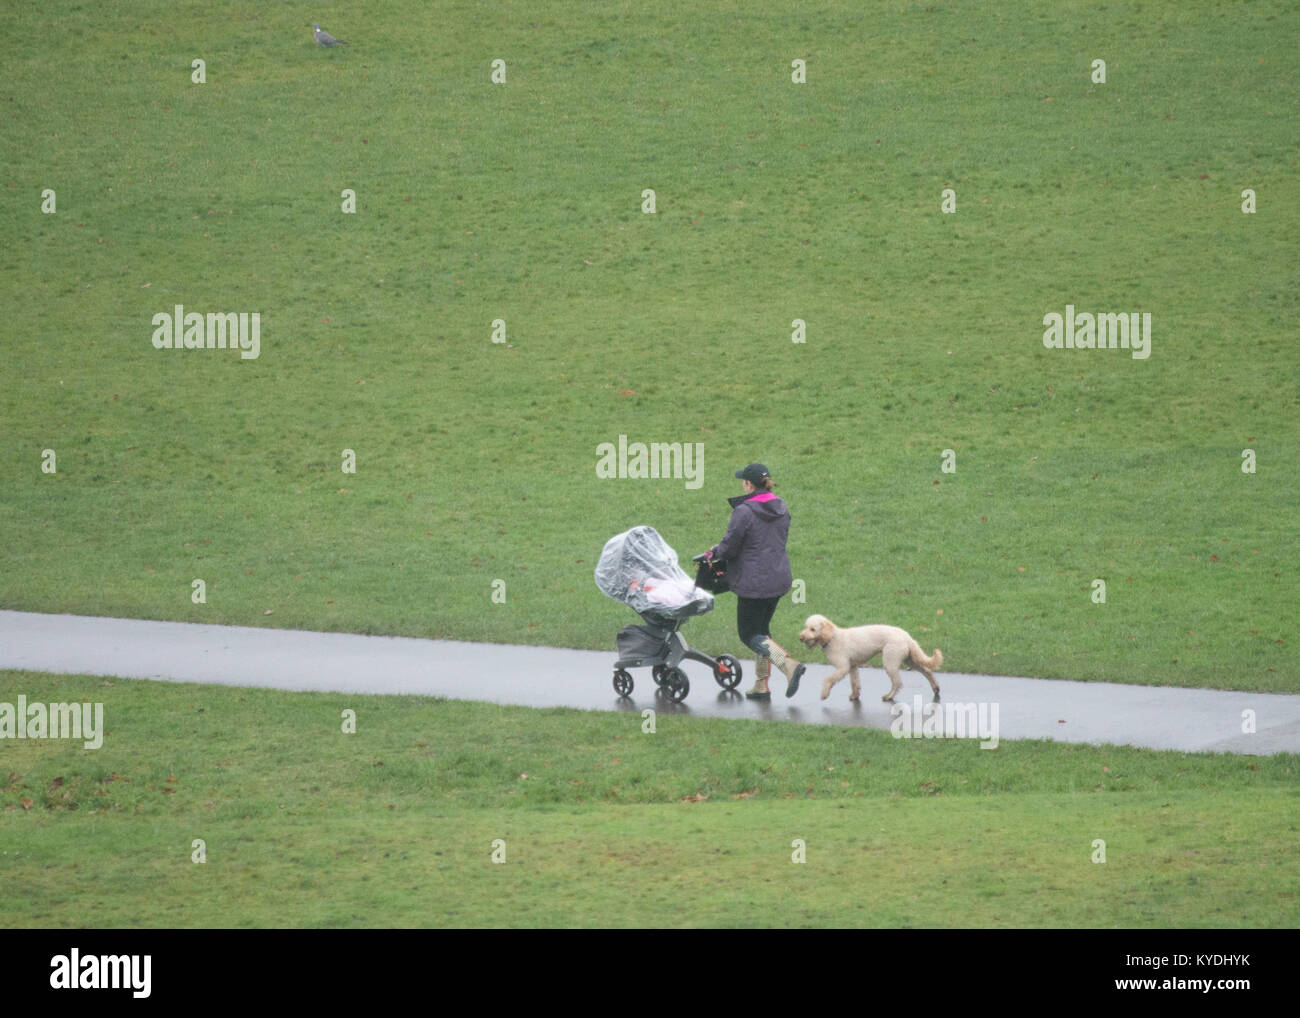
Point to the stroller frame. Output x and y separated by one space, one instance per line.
665 662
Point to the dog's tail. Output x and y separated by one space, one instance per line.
934 663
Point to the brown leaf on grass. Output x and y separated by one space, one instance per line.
697 797
26 803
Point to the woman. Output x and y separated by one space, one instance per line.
759 573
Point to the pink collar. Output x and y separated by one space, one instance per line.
766 496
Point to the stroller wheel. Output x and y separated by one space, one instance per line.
622 682
676 685
659 671
727 671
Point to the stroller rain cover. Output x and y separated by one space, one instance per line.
638 568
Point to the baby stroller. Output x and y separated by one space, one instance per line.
638 568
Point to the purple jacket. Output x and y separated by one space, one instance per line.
754 547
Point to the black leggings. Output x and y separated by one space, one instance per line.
753 616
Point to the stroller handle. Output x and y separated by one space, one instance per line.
701 557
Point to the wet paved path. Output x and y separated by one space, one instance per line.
1095 712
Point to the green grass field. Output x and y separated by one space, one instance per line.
604 824
775 201
476 460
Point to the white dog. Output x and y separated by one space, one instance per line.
849 649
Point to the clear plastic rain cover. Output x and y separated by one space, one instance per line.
639 569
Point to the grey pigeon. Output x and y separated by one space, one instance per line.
324 38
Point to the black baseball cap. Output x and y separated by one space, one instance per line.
754 473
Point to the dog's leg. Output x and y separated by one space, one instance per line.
855 685
923 664
891 657
929 675
833 678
